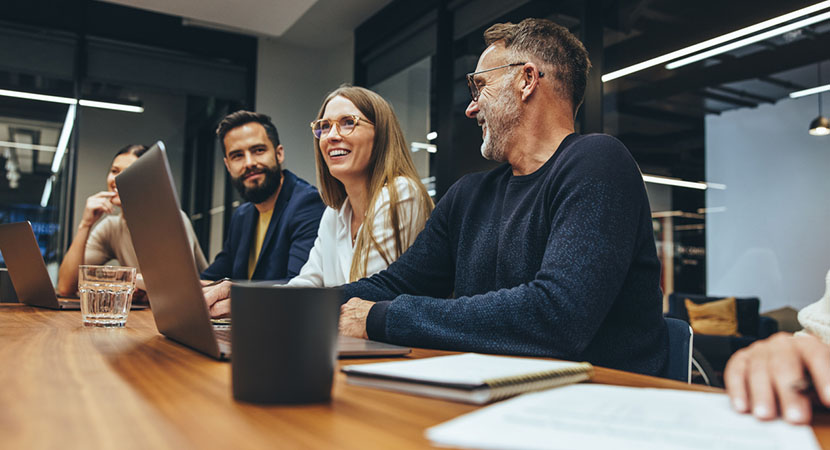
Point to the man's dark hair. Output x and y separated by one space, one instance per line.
551 45
239 118
132 149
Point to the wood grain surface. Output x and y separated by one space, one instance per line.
66 386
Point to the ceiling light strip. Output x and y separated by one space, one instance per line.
22 146
750 40
716 41
71 101
810 91
113 106
63 141
39 97
674 182
47 192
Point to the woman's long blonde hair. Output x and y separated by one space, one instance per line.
390 159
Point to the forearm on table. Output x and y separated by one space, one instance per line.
74 257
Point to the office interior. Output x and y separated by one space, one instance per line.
737 182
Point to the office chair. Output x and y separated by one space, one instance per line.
680 350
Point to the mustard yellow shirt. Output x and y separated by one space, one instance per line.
261 230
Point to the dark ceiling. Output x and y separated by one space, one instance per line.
659 113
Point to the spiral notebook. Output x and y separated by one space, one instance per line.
469 377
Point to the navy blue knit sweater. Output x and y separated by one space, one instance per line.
559 263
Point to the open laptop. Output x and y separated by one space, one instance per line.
151 207
26 268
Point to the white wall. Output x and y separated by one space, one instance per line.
773 239
292 82
103 132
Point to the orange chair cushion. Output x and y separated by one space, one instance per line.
717 318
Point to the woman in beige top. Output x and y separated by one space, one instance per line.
110 239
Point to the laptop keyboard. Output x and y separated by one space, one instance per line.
223 334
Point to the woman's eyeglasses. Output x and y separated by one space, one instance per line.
345 125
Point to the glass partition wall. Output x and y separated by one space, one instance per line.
737 183
70 99
405 91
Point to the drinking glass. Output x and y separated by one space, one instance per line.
106 294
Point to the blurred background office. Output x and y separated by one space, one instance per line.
736 177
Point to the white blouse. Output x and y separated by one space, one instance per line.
330 261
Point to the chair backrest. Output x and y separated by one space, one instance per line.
680 350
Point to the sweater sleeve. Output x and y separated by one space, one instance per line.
594 217
426 268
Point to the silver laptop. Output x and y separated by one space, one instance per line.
26 268
151 208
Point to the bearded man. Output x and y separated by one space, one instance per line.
551 254
270 236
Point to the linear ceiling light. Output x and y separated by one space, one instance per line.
39 97
22 146
810 91
71 101
673 182
63 141
750 40
47 192
108 105
715 41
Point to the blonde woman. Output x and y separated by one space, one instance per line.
376 202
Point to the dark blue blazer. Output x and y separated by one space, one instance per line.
289 239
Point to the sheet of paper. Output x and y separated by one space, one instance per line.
467 368
589 416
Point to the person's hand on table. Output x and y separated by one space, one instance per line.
771 377
140 297
218 298
140 293
353 316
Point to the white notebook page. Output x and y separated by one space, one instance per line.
467 368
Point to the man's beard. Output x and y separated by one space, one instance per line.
265 190
501 117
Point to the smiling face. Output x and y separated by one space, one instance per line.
497 108
347 157
252 161
120 163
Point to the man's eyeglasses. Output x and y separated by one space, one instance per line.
474 92
345 125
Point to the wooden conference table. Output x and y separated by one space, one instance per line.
66 386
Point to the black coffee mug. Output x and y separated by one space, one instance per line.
283 343
7 292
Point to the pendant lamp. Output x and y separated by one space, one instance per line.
820 126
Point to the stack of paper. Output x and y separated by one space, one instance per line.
594 416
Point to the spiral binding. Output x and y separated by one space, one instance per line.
501 388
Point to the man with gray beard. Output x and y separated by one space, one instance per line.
551 254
